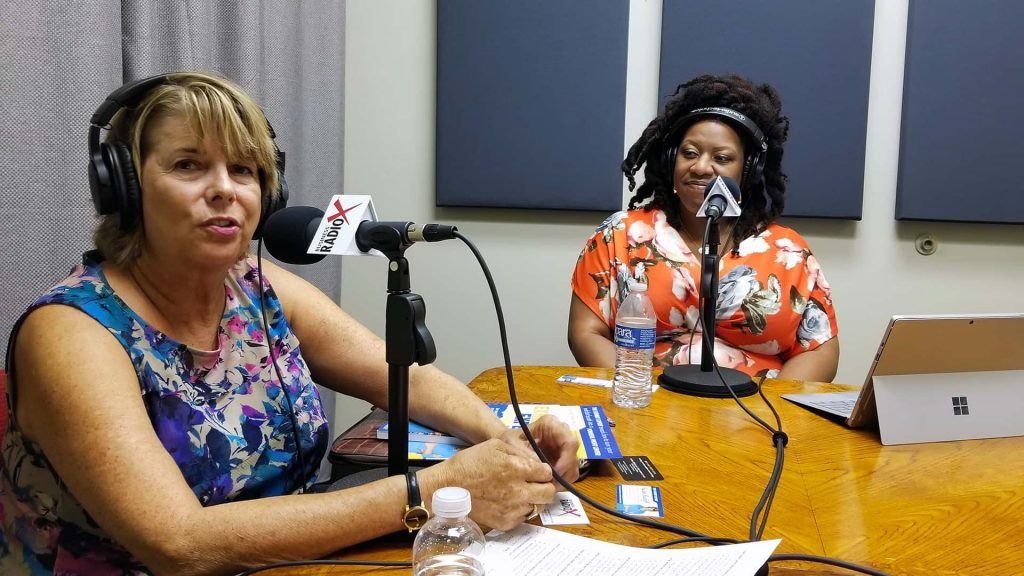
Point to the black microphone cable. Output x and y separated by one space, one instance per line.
690 535
526 429
294 563
779 438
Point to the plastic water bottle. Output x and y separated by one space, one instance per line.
450 543
635 325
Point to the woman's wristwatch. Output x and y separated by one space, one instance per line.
416 514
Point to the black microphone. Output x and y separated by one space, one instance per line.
289 232
715 199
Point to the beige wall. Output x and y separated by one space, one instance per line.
389 153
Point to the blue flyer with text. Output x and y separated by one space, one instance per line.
590 423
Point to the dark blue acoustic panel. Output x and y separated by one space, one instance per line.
962 141
531 100
817 53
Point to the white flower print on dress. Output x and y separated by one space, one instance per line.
692 314
675 317
611 224
769 348
814 325
621 282
754 245
725 355
640 232
734 288
669 243
789 254
816 277
682 283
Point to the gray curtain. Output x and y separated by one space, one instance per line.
58 60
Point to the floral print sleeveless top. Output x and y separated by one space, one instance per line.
223 416
773 300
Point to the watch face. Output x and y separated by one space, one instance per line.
415 517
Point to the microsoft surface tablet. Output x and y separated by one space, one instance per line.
939 377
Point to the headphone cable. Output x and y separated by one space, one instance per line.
277 369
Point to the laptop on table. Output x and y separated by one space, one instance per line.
937 378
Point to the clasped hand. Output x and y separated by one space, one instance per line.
555 439
507 479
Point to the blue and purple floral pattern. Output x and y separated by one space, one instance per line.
223 416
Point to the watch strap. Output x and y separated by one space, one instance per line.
416 514
413 488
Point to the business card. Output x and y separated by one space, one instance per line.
639 500
565 509
636 468
571 379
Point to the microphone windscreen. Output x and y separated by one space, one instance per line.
733 187
288 233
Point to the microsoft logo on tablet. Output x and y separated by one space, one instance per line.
960 406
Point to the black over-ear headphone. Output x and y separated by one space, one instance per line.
754 141
112 179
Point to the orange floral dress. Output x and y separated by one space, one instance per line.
773 300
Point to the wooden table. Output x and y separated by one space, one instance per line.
936 509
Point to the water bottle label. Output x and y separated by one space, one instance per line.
638 338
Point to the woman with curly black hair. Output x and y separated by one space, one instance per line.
775 313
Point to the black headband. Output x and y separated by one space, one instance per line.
749 128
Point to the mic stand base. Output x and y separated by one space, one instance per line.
692 381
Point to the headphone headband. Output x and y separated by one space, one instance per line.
125 97
734 118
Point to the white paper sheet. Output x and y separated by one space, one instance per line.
541 551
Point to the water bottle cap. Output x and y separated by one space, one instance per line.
636 285
452 502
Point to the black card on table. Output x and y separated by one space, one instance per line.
636 468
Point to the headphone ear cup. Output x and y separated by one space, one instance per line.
753 171
100 182
748 170
276 202
757 168
669 161
125 192
759 172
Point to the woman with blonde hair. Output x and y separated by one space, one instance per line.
164 416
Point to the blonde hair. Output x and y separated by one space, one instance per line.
213 107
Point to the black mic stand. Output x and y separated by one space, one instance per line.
703 380
406 340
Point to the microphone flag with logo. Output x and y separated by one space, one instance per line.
720 198
337 231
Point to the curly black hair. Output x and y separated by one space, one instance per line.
760 103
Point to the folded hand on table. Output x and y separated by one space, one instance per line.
558 442
507 482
